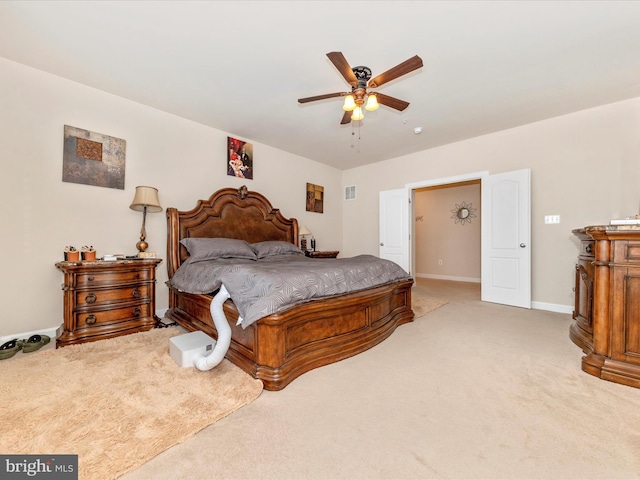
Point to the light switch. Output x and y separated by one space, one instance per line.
552 219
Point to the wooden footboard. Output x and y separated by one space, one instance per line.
279 348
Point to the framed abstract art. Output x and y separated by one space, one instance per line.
93 158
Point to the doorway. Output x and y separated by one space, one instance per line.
505 227
447 232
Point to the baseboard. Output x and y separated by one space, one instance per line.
448 277
550 307
49 332
54 332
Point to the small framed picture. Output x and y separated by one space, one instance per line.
239 158
315 198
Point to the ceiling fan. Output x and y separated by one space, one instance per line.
360 80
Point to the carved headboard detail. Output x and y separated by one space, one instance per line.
228 213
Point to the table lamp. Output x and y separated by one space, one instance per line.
145 200
303 241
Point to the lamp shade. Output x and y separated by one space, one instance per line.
372 102
304 231
349 103
357 114
146 197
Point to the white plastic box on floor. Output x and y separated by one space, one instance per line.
186 349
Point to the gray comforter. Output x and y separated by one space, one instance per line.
262 287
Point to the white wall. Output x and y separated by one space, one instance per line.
585 167
185 160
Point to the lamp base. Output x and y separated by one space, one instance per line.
146 255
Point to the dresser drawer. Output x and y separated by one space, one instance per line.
101 278
92 318
97 297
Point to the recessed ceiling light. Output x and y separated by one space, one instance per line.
417 130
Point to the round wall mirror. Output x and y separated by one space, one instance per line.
463 213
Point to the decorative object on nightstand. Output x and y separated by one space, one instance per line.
107 299
328 254
145 200
304 231
71 254
88 254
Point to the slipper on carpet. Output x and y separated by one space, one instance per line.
9 349
35 342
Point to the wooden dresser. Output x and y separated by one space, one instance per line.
107 299
607 302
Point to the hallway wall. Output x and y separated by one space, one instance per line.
445 247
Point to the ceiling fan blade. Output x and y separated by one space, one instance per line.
401 69
346 118
343 67
391 101
321 97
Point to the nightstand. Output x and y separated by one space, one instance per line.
107 299
315 254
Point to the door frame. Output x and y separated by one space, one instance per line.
412 187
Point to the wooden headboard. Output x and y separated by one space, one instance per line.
229 213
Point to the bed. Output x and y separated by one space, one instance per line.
282 346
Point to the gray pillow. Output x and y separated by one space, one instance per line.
211 248
272 248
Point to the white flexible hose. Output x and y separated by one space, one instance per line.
212 360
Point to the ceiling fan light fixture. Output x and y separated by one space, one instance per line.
357 114
372 102
349 103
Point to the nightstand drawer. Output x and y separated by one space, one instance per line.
89 319
90 279
96 297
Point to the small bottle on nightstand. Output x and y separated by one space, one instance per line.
313 244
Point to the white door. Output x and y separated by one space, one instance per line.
394 226
506 239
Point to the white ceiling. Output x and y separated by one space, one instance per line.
240 66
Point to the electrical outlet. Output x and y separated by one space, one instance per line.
440 262
552 219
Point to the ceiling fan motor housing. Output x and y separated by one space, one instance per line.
363 75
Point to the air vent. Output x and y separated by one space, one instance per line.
350 192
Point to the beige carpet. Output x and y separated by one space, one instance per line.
116 403
471 391
423 304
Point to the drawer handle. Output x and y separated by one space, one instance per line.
91 319
137 312
135 293
90 278
91 298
